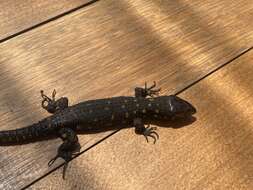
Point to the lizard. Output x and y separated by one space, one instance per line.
66 121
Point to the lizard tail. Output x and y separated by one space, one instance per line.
35 132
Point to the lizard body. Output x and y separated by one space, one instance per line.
95 115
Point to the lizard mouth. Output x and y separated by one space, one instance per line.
188 114
193 110
177 122
182 120
184 117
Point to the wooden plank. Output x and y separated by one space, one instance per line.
215 152
107 50
17 16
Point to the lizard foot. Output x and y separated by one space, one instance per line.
52 105
147 91
150 132
66 155
68 149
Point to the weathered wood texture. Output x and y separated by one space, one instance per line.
106 50
213 153
18 15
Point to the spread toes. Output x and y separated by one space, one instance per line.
150 132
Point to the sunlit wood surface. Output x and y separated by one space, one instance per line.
215 152
108 48
18 15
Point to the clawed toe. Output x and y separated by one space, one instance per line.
50 163
150 132
66 156
151 91
48 103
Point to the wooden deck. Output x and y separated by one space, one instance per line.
201 49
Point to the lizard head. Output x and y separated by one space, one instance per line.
172 111
179 108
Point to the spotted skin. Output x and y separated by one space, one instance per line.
96 115
93 115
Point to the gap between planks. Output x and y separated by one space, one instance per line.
47 21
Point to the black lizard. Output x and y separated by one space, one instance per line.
91 116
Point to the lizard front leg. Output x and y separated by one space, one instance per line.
147 91
52 105
69 148
145 131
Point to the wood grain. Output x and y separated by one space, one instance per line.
20 15
106 50
215 152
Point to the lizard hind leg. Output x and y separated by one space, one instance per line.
68 149
52 105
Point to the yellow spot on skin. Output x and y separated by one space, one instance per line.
112 117
157 111
123 106
126 114
144 111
